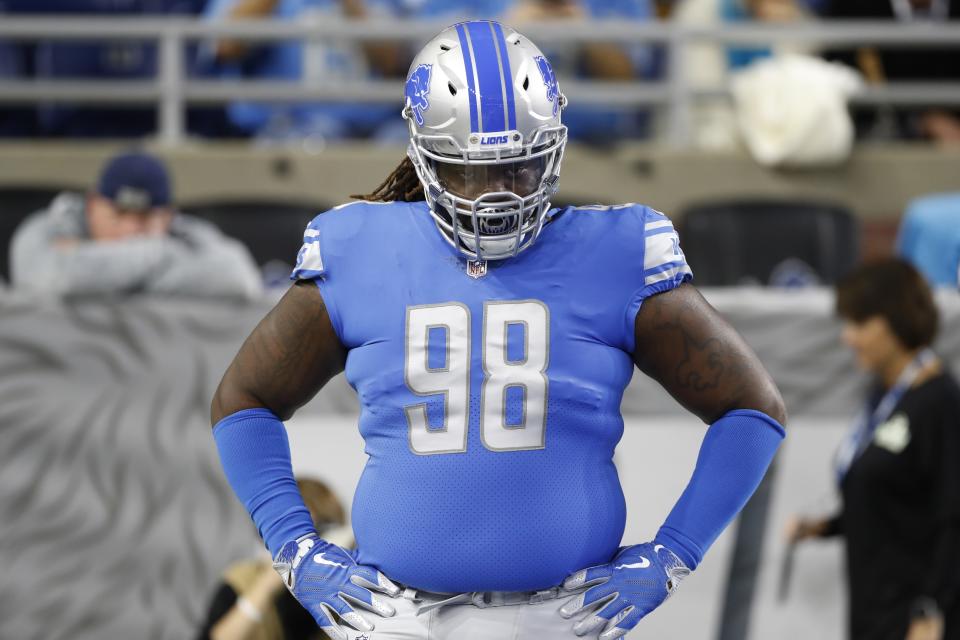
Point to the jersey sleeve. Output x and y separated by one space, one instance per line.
332 256
310 266
310 258
664 265
333 237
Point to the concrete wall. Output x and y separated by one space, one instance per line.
877 181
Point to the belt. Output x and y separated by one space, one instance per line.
481 599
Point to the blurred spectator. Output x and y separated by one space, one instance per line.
313 63
597 61
451 10
125 237
708 66
930 237
816 6
16 64
131 60
393 129
252 603
921 64
773 11
897 469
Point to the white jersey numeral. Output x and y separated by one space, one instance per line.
451 377
527 375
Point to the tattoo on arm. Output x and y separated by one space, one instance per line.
684 344
287 359
702 364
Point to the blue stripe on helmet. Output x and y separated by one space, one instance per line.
488 73
507 76
468 68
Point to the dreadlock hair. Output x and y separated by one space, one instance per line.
402 185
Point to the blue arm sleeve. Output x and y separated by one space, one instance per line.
734 457
255 455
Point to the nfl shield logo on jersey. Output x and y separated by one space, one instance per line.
476 268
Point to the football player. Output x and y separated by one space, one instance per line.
489 338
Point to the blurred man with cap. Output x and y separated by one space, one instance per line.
126 237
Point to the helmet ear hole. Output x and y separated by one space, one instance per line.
526 83
453 89
444 47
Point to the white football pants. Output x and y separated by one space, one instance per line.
469 617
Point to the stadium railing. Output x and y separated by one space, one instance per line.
172 89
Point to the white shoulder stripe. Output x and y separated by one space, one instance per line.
669 274
660 249
658 224
309 260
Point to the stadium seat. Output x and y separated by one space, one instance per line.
273 231
770 242
16 203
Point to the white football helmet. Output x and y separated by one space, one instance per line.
483 108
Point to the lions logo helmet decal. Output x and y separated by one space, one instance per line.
549 79
418 86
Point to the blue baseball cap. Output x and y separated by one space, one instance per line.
135 181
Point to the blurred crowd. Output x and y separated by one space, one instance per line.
344 60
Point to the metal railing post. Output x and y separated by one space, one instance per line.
171 109
680 105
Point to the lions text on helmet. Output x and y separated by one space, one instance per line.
483 108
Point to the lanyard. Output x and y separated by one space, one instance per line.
866 423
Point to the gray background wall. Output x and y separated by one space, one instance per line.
115 519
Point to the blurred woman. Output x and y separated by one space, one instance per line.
252 603
898 469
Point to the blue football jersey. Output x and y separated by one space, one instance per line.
489 394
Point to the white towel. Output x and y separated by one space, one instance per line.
792 110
